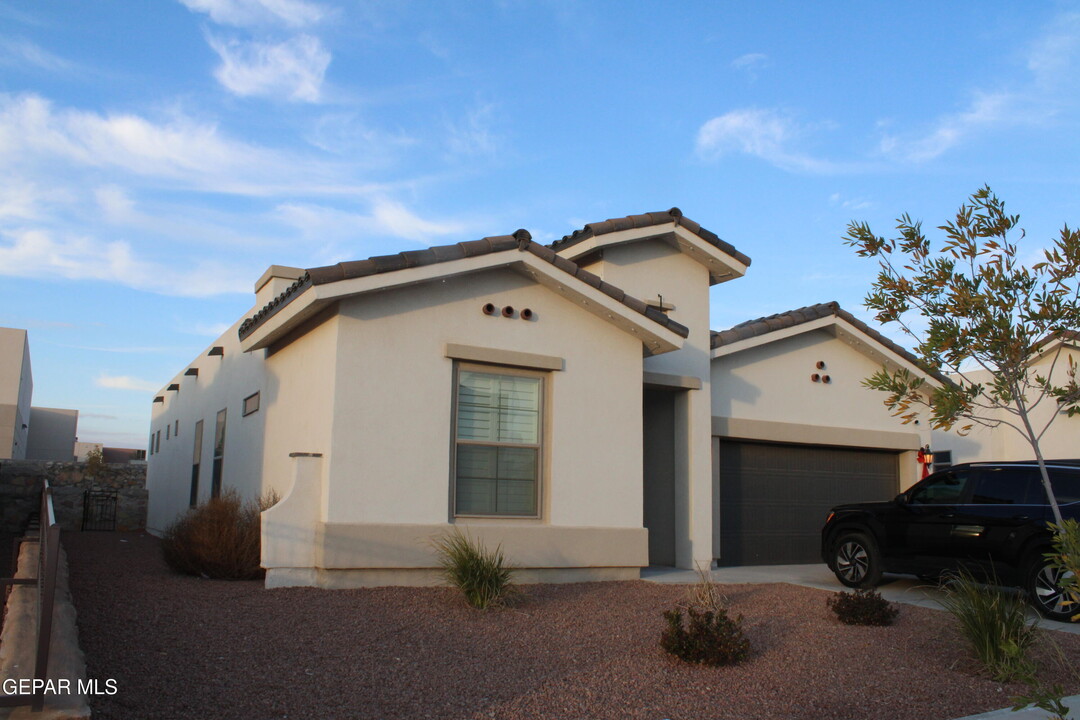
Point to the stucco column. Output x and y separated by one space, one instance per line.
289 527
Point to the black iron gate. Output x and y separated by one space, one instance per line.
99 510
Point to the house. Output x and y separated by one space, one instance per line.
568 402
1062 433
27 432
16 390
52 434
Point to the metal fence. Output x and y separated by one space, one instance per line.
99 510
47 535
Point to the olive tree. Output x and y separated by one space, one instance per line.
971 304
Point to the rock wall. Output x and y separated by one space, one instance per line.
20 492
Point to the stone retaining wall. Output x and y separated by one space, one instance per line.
20 488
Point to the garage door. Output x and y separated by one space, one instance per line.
774 498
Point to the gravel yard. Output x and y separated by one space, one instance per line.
181 647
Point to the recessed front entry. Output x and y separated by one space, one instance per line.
659 474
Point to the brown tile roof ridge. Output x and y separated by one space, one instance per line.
520 240
648 220
791 318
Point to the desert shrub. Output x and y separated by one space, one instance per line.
220 539
994 623
483 576
707 637
705 593
862 607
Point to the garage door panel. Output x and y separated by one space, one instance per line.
773 497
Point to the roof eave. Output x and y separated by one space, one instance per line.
655 338
840 328
722 266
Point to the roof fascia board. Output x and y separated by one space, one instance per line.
716 260
657 339
774 336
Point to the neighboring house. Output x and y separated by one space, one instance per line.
16 391
568 402
1062 439
52 434
110 454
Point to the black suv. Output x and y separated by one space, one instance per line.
988 518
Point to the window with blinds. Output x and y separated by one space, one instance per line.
498 428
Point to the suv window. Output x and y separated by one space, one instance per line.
1066 484
1008 486
942 490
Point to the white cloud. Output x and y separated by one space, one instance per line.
473 135
399 221
37 253
985 111
248 13
180 150
24 52
750 63
1053 56
387 217
850 203
293 69
115 203
762 133
125 382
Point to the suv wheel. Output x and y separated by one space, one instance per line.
1042 585
856 560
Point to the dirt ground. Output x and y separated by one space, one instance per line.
184 647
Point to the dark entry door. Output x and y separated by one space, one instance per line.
774 497
659 474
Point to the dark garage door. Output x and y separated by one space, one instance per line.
774 498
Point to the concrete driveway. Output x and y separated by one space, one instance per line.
895 588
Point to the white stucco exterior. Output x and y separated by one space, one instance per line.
1061 439
356 368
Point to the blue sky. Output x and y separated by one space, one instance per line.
156 157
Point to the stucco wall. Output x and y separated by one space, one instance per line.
394 391
16 389
222 383
653 270
1061 441
52 434
773 382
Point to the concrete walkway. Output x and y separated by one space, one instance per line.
894 588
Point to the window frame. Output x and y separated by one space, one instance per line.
244 412
541 445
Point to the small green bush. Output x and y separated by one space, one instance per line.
862 607
1066 556
994 623
483 576
708 637
220 539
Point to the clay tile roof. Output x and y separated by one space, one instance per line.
772 323
521 240
631 222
